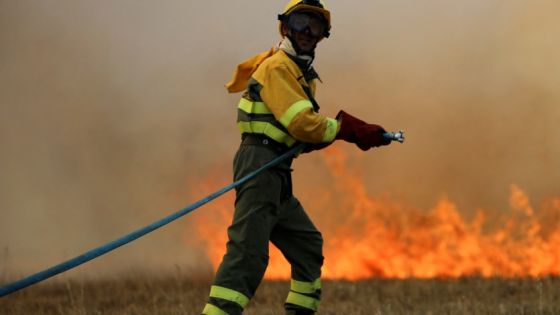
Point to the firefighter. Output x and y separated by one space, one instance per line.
278 110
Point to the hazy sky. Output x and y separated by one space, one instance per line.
110 111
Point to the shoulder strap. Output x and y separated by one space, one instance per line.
307 91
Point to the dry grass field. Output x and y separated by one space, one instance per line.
185 295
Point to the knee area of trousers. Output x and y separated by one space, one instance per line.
247 259
316 239
317 246
319 241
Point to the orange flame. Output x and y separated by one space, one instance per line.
379 237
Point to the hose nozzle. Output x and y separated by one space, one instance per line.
395 136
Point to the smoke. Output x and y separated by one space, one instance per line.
111 111
473 84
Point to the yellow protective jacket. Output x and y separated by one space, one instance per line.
279 103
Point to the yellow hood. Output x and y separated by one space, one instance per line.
244 70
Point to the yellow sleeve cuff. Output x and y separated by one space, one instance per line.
331 130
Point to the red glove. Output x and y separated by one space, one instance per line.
364 135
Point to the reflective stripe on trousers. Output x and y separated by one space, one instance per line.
224 294
305 294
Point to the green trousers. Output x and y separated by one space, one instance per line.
266 210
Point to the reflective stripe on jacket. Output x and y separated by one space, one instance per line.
277 105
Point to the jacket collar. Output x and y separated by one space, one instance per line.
287 46
304 62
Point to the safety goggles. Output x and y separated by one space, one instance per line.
303 21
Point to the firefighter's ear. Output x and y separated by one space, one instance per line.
285 30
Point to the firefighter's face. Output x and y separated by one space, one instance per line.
304 40
306 28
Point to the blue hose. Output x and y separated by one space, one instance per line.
101 250
96 252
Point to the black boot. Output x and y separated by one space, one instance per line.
299 312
